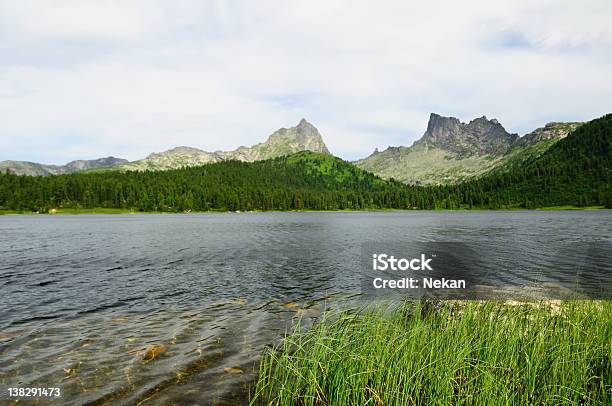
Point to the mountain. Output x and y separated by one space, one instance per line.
576 170
448 152
34 169
478 137
451 151
285 141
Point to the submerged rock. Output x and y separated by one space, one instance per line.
233 371
292 306
153 352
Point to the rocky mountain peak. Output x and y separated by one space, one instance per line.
304 136
480 136
438 124
284 141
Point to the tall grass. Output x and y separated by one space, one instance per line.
466 353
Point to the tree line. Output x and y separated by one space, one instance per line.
575 171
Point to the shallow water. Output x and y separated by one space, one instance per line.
83 297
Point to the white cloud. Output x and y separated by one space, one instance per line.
82 79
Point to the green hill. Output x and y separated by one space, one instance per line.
576 170
305 180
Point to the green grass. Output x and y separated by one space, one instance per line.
466 353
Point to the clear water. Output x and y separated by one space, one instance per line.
83 297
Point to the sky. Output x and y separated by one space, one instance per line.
84 79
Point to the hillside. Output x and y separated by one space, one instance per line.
576 170
431 166
305 180
450 152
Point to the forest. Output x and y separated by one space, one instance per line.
576 171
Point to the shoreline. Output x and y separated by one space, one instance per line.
101 210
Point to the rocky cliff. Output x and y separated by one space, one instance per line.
478 137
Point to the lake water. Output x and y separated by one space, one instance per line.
83 297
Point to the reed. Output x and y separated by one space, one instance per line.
450 353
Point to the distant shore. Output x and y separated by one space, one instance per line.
102 210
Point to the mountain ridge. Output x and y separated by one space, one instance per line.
284 141
479 136
451 151
575 171
36 169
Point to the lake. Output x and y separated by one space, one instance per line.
83 297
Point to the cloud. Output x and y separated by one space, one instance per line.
83 79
